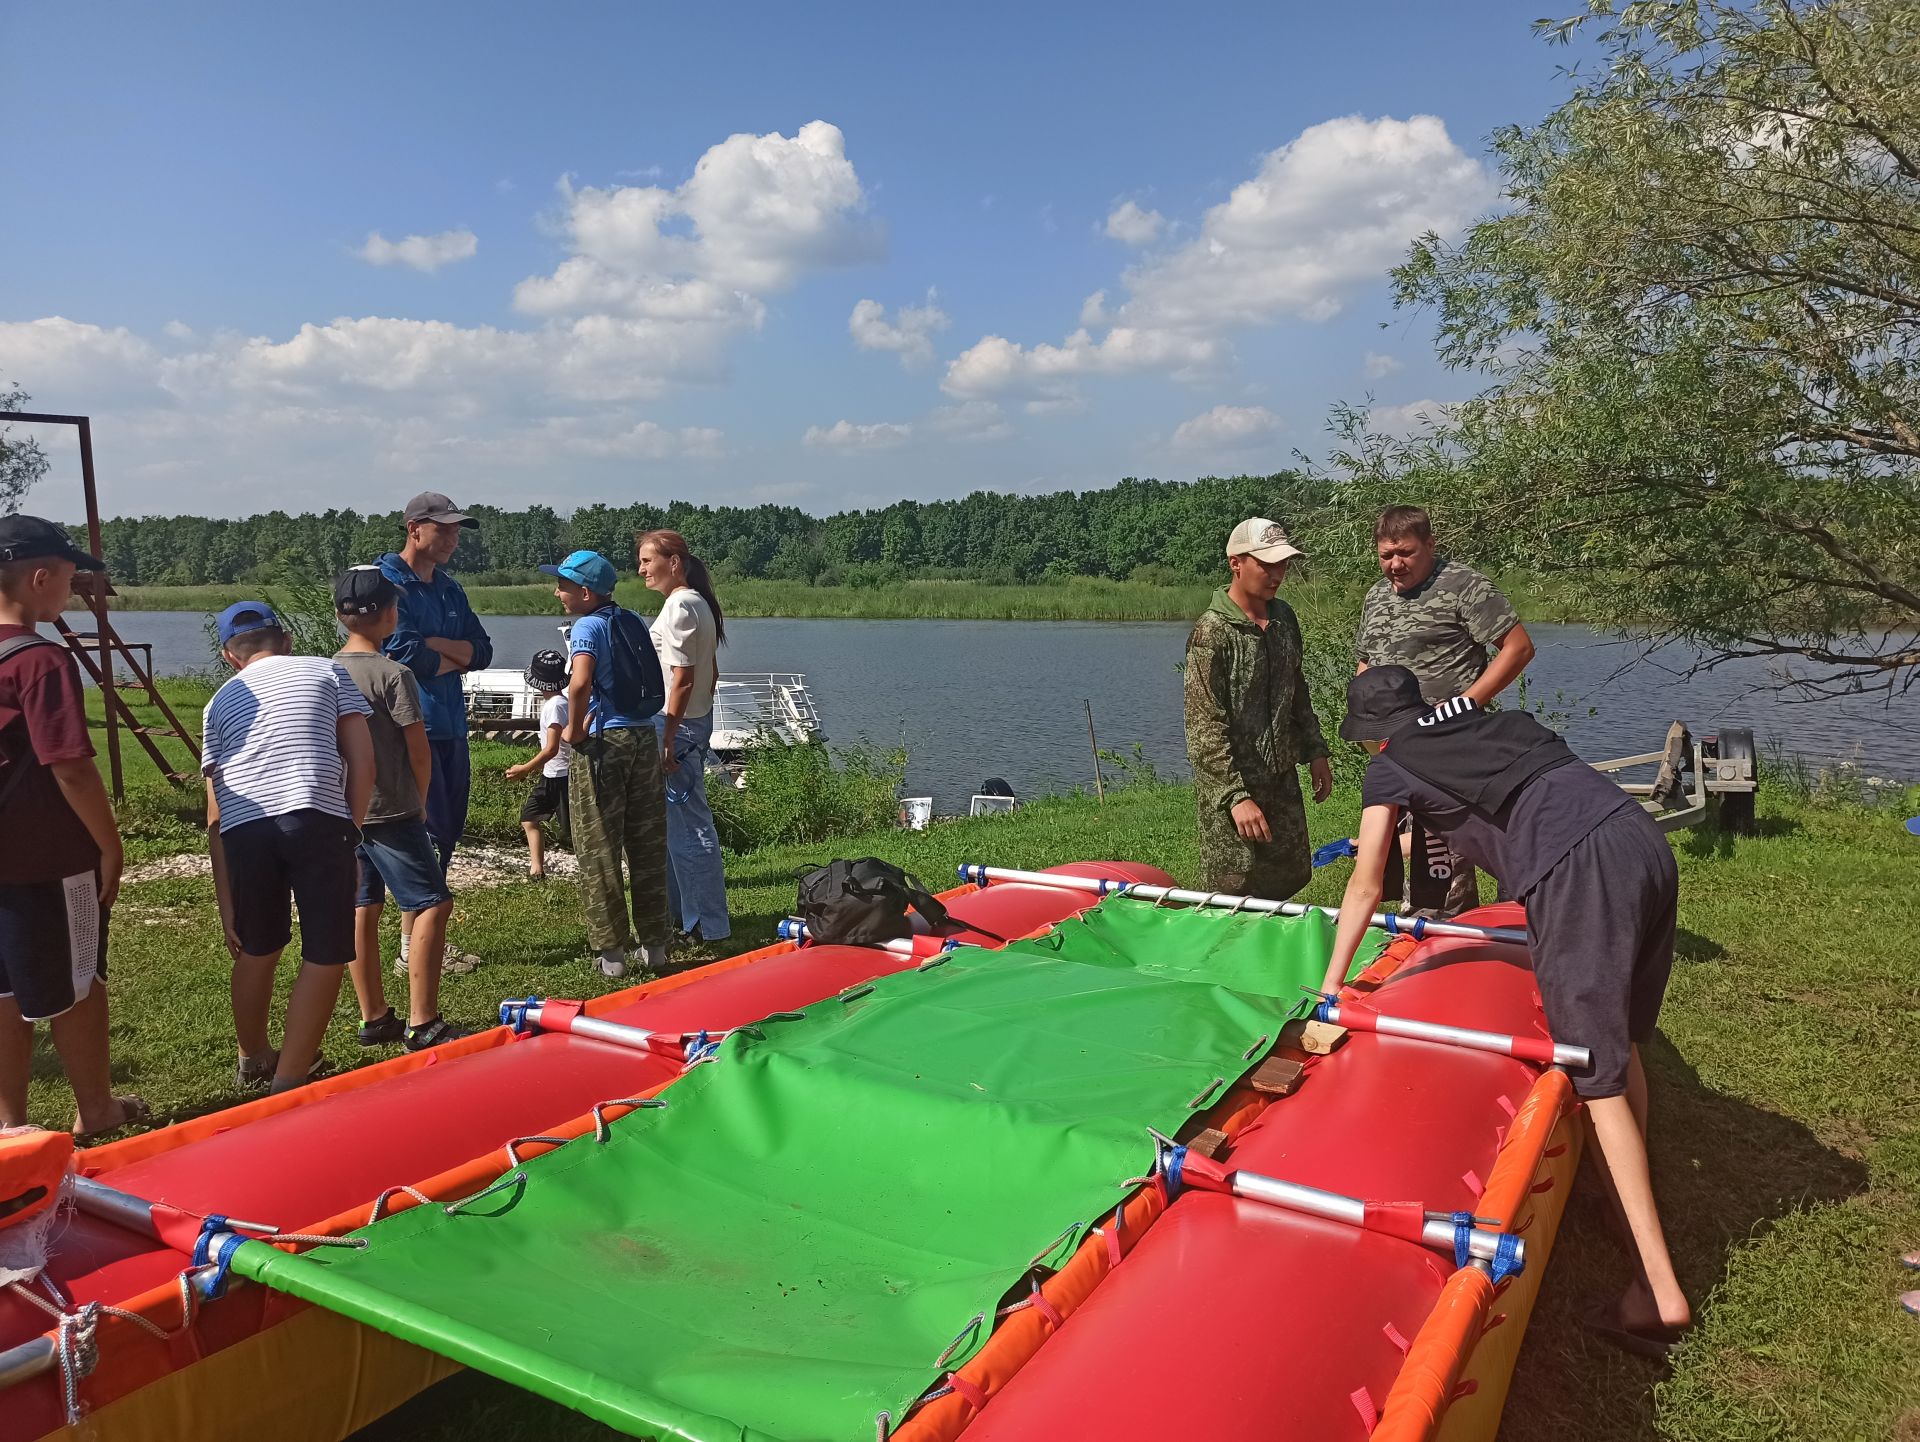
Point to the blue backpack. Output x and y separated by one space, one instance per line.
635 686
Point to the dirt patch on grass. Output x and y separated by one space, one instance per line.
474 867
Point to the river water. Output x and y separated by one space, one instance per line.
972 699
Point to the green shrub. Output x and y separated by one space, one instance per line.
796 794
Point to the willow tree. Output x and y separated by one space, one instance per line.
22 462
1696 314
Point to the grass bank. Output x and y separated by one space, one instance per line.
1786 1103
1081 599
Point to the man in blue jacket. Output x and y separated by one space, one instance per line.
439 639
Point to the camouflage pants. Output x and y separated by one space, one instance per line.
1274 869
620 808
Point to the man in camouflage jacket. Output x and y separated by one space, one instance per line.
1250 725
1451 627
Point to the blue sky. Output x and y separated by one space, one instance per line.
823 255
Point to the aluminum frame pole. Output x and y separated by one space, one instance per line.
1526 1048
1482 1246
124 1209
1417 926
792 928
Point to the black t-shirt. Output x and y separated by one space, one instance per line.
1550 816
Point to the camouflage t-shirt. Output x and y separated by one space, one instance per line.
1440 630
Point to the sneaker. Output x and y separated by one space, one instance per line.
612 962
255 1073
454 962
433 1033
382 1030
652 958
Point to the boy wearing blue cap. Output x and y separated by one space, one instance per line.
618 797
289 767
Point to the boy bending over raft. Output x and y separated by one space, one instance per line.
1600 887
289 767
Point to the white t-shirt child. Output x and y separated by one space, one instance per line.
553 712
685 634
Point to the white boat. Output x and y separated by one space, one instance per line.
746 706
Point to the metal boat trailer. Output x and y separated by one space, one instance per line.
1700 778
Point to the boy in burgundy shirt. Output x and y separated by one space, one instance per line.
55 893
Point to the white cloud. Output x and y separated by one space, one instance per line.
1323 215
1411 419
656 286
1130 225
996 365
1377 365
970 421
847 436
1227 428
421 252
758 212
1327 212
909 335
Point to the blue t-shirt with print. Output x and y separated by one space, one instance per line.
594 635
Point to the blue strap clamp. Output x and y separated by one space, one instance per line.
1171 1163
1506 1257
216 1244
513 1013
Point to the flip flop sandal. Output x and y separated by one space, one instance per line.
1911 1261
1655 1341
1910 1301
133 1110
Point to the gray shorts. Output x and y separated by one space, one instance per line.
1601 924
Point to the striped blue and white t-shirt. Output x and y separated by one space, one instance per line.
271 741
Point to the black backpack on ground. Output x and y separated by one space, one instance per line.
859 902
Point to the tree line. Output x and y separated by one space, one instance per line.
1143 530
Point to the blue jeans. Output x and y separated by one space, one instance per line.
399 856
447 797
696 875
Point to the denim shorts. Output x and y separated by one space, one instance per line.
399 856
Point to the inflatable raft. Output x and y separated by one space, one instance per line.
1053 1186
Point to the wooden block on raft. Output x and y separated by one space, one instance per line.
1277 1076
1316 1038
1209 1143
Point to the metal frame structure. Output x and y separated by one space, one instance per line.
96 651
1722 767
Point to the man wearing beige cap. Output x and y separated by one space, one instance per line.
1250 725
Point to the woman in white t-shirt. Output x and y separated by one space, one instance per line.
687 633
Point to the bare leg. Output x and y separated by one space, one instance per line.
252 999
80 1036
1637 1088
16 1063
1656 1295
365 967
309 1009
536 848
423 973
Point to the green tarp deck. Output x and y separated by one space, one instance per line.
786 1249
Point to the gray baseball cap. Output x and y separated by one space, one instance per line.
433 506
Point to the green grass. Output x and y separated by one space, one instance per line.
1080 599
1786 1105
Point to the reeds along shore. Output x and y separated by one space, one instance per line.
1077 599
